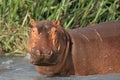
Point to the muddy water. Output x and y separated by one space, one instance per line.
19 68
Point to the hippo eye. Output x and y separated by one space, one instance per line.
55 30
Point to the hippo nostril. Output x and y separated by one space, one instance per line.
50 53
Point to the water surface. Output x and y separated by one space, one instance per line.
19 68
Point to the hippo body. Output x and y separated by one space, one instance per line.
96 49
85 51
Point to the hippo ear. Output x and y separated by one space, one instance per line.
56 23
32 22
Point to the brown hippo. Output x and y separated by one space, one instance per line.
84 51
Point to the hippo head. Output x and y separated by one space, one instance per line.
46 42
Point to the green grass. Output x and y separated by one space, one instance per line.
15 16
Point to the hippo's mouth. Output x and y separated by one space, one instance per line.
43 59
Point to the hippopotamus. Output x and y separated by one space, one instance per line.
94 49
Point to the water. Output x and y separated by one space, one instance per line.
19 68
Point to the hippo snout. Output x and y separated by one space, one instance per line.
34 55
39 56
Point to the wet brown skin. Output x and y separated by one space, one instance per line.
85 51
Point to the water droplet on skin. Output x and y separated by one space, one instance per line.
106 56
48 32
109 68
38 52
40 34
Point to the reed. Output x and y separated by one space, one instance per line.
15 16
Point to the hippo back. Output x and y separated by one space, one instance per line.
96 48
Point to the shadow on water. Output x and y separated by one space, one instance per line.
19 68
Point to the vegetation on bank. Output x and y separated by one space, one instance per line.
15 16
